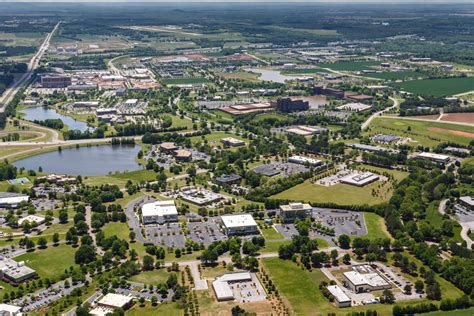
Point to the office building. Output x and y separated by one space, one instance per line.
241 224
55 81
159 212
232 142
8 199
304 160
289 105
110 302
441 159
340 298
467 201
222 287
228 179
366 282
15 272
10 310
360 179
293 211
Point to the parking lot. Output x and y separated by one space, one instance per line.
287 230
205 232
169 235
344 222
45 204
284 169
250 291
463 214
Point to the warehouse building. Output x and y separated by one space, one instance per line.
110 302
438 158
360 179
241 224
293 211
8 199
385 138
364 147
15 272
340 298
366 282
304 160
159 212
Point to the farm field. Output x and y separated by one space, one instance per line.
438 87
350 65
423 132
451 117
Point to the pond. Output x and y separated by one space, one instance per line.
40 113
271 75
86 161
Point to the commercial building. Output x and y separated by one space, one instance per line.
366 282
10 310
360 179
438 158
305 160
228 179
168 147
241 224
331 92
289 213
232 142
8 199
364 147
304 130
222 287
159 212
289 105
183 155
240 109
110 302
55 81
358 97
15 272
31 219
385 138
199 196
467 201
340 298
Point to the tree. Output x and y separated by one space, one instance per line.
85 254
419 286
56 238
63 216
346 259
344 241
387 297
407 289
154 300
132 236
209 256
42 242
83 310
148 263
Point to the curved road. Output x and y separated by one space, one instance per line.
10 93
466 226
396 103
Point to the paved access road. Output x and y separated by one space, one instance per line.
10 93
396 103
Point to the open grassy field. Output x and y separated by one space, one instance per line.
185 81
438 87
375 226
458 312
215 137
422 132
50 262
394 75
151 277
350 65
342 194
121 179
271 233
169 308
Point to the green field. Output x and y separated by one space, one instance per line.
50 262
421 131
350 65
438 87
185 81
375 226
341 194
395 75
151 277
169 308
458 312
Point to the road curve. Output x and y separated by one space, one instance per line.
366 124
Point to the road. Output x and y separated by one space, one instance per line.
426 120
396 103
10 93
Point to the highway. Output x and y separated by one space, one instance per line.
10 93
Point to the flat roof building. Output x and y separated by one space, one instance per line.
55 81
10 310
31 219
290 212
385 138
306 130
228 179
8 199
159 212
354 107
168 147
288 105
304 160
239 224
200 196
183 155
366 282
360 179
15 272
110 302
438 158
340 298
232 142
365 147
222 288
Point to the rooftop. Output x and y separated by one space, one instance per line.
337 292
372 279
115 300
296 207
242 220
159 208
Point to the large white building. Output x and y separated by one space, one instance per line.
31 219
438 158
304 160
221 285
8 199
110 302
289 213
159 212
340 298
239 224
360 179
10 310
366 282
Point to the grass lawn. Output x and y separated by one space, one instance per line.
168 308
185 81
151 277
342 194
350 65
395 75
457 312
215 137
422 132
50 262
272 246
438 87
271 233
375 226
181 122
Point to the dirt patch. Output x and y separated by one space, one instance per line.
425 117
452 132
459 117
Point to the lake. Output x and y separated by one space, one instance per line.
85 161
40 113
271 75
